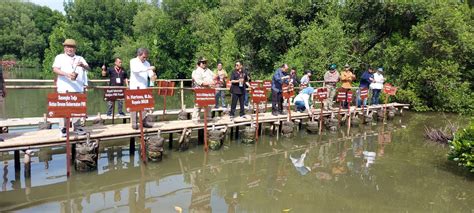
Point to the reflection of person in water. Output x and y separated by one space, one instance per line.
201 193
299 163
5 176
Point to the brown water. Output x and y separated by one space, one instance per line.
378 168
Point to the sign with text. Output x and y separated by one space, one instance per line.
349 96
205 97
288 90
267 84
254 84
259 95
139 100
166 91
62 105
364 93
389 89
112 94
321 94
341 95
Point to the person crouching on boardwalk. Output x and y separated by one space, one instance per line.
238 81
279 77
118 77
71 71
302 100
140 71
202 78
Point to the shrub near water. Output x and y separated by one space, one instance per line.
462 149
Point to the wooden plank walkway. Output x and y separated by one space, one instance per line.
41 138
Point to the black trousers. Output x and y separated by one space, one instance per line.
233 105
277 102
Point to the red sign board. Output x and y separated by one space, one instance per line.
341 95
321 94
166 91
267 84
349 96
259 95
364 93
288 91
112 94
205 97
62 105
139 100
389 89
228 84
254 84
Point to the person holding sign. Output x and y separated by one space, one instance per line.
71 71
376 86
238 80
279 77
220 78
140 71
118 77
331 77
202 78
302 100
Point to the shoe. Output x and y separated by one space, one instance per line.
1 140
135 126
63 133
79 131
122 114
282 113
109 115
274 113
147 125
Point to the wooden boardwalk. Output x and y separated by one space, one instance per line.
41 138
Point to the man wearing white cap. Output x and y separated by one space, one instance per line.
376 86
71 71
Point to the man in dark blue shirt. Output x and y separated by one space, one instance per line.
278 79
365 80
118 77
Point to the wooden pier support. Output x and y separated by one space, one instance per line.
16 161
201 136
236 132
132 146
170 141
73 153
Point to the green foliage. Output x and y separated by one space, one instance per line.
462 147
425 47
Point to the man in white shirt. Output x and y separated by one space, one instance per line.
140 71
202 78
376 86
71 71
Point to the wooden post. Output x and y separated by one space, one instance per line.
142 138
170 141
339 114
113 112
205 129
236 132
132 146
349 119
68 149
164 107
201 136
257 125
73 153
181 86
16 157
321 118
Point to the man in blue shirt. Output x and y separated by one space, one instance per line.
365 80
278 79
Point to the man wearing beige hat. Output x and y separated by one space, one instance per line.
71 71
202 78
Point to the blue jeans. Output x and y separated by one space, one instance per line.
220 94
300 106
359 101
375 96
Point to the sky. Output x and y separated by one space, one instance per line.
53 4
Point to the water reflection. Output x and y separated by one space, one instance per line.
299 175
